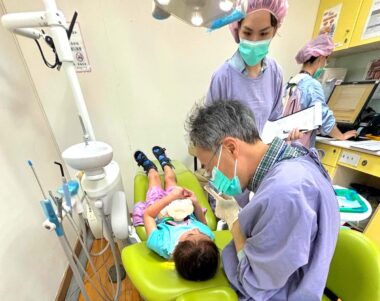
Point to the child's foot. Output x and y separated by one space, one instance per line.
159 153
142 160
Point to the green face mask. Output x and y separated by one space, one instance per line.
318 73
253 52
222 183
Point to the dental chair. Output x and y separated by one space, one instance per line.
156 278
354 273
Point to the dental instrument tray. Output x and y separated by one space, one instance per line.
350 201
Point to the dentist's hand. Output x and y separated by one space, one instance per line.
226 207
294 134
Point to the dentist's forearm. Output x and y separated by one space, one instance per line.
239 239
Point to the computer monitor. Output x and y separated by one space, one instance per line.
349 99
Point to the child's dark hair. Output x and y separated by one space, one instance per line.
196 260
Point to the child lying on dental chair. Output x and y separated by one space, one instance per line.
174 222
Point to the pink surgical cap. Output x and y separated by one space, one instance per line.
278 8
320 46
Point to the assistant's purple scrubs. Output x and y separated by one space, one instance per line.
262 94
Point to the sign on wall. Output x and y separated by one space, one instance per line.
78 49
372 27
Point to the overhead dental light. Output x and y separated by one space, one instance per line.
194 12
226 5
196 19
163 2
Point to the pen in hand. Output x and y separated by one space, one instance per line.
301 130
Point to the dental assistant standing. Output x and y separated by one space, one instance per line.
249 76
313 57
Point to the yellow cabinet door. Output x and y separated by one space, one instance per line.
328 154
345 12
361 24
330 170
369 164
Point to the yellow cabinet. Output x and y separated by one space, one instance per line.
357 36
369 164
345 12
330 170
329 154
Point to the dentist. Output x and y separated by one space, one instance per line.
285 237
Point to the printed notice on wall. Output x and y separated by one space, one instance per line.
79 51
372 27
330 19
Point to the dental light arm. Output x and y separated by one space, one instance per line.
25 24
28 33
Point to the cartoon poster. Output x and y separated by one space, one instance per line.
330 19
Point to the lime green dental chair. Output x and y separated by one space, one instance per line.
154 277
354 273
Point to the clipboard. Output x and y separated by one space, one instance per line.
306 120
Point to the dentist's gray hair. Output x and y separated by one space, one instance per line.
207 125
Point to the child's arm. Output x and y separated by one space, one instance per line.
152 211
198 212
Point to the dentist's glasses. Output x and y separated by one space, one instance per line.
207 166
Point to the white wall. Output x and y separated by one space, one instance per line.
31 261
146 74
293 35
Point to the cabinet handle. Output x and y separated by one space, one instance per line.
364 163
345 36
334 150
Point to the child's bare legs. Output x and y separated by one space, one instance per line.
170 178
153 178
155 191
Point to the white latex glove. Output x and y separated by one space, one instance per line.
226 207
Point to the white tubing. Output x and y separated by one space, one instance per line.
114 253
74 268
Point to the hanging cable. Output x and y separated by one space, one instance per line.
95 271
83 270
51 44
106 296
85 197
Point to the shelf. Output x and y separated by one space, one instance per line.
356 49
